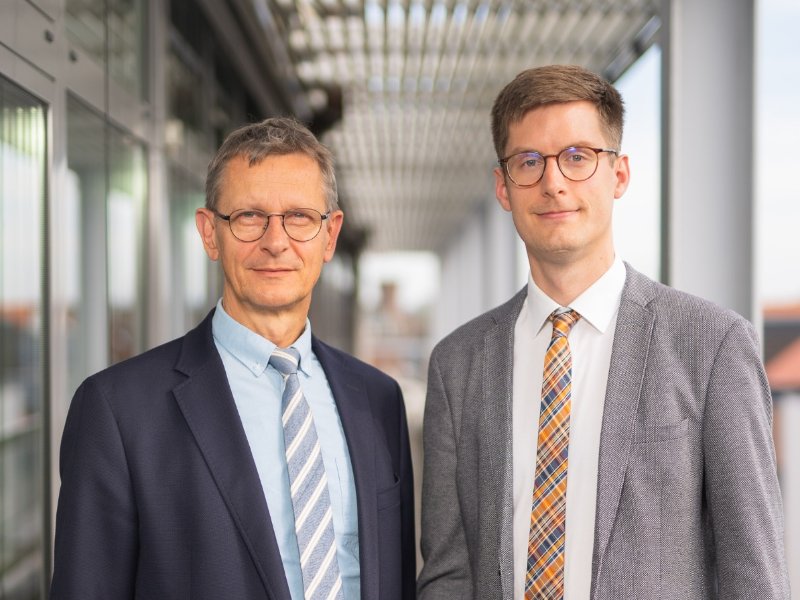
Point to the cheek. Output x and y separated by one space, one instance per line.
233 261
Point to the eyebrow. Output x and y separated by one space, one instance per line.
581 144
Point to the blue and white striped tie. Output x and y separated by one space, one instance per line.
313 518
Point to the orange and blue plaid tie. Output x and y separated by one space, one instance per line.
545 576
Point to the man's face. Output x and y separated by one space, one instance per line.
275 275
563 221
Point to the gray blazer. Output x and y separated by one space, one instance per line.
688 504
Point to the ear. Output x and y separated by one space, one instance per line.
207 228
500 189
334 226
623 174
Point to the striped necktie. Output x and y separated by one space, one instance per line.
313 518
545 576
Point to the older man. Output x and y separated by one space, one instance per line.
247 459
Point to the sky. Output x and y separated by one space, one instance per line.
777 133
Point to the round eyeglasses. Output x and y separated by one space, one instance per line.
576 163
300 224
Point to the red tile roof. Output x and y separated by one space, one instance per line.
783 370
782 311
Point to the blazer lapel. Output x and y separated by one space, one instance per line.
207 404
497 417
632 338
352 403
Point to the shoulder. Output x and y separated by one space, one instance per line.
140 374
159 368
679 312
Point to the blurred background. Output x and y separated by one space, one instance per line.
111 109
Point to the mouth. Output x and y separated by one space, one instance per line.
557 214
272 270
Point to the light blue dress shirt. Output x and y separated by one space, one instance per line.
257 390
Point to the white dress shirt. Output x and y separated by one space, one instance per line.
590 342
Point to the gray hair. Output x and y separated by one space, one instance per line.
276 136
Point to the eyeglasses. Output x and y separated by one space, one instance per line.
576 163
300 224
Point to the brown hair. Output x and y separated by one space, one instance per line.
272 137
556 84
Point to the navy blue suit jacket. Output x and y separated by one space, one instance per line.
160 498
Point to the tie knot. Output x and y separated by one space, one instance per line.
285 360
563 322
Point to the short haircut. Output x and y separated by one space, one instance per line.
556 84
276 136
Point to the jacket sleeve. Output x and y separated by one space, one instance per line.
741 484
446 571
96 544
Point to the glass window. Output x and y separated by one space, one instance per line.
127 192
22 194
778 245
105 203
184 106
637 215
84 264
84 21
127 49
116 29
190 265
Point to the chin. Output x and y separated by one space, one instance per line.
275 302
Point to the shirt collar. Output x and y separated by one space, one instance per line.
597 305
252 349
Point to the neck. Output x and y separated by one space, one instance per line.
565 281
282 328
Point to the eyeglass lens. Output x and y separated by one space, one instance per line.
300 224
576 163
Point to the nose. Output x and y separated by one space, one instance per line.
552 182
275 239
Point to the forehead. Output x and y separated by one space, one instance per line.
552 127
282 179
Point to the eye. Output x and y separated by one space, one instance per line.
298 216
248 217
527 161
577 155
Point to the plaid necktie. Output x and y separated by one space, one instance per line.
545 577
313 518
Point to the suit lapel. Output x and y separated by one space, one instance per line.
497 419
632 338
207 404
352 403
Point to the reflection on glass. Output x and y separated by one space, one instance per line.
83 265
184 106
125 209
126 47
104 203
84 21
89 23
22 172
190 266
